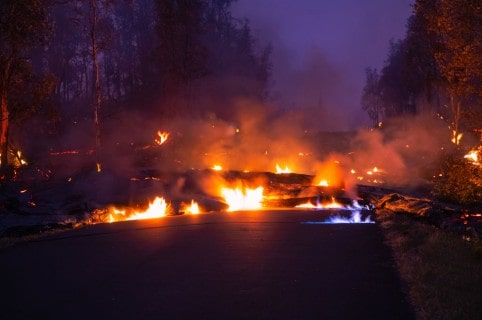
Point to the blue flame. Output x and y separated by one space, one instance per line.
354 218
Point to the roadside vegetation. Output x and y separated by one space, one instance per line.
442 271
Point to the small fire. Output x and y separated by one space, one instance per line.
329 205
162 137
324 183
473 156
192 208
217 167
243 198
456 137
157 208
114 216
284 170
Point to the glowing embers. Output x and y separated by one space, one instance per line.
373 175
162 137
243 198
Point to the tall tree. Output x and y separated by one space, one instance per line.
456 27
23 25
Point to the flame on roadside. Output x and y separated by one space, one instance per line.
355 217
157 208
280 170
327 205
191 208
241 198
163 135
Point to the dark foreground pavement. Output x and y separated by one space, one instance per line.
243 265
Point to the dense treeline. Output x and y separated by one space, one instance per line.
64 62
437 67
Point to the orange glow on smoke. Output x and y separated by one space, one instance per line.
330 174
162 137
243 198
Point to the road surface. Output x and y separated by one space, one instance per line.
241 265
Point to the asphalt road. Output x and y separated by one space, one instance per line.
243 265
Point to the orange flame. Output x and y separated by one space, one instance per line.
456 137
157 208
243 198
217 167
280 170
473 156
162 137
192 208
329 205
330 174
324 183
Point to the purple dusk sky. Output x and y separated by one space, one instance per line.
322 48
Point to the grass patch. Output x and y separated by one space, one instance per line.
442 271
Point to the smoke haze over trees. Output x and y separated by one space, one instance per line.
77 68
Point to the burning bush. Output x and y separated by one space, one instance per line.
459 181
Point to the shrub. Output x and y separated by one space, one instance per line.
460 181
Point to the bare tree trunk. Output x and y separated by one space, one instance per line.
4 122
96 92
